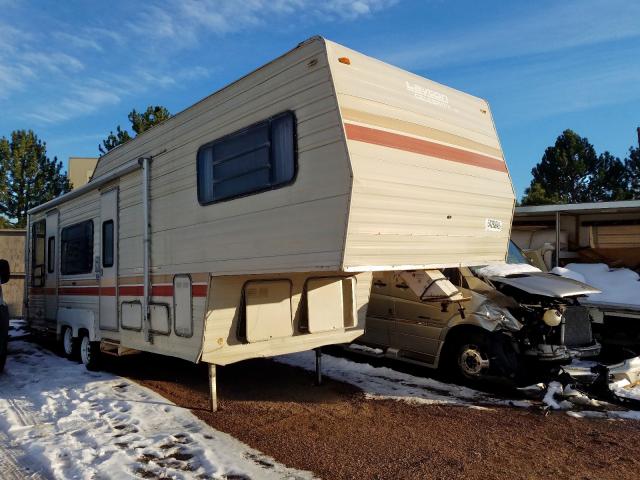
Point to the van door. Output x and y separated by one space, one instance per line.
108 267
417 325
51 268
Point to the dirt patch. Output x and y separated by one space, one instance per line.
336 433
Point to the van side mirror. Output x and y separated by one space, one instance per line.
5 271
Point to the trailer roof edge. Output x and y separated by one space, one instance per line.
93 184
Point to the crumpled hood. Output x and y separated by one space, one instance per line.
546 284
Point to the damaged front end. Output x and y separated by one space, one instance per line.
555 328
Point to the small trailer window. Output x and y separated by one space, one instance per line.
258 158
76 255
51 255
37 253
107 243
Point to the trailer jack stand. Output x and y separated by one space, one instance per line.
318 366
213 387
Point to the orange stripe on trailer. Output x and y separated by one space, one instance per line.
199 290
78 291
125 290
42 291
423 147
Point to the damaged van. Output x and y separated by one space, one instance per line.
492 322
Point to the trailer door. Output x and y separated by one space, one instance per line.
109 260
51 268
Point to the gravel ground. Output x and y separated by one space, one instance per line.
338 434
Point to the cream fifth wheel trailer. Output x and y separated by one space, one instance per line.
248 225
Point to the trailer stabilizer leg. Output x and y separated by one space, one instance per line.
213 387
318 366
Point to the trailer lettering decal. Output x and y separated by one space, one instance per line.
427 95
423 147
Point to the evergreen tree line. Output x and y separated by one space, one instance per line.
571 171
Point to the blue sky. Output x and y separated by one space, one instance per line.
72 70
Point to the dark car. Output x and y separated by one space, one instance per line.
4 314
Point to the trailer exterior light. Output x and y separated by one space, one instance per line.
345 60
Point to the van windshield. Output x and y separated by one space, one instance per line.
515 255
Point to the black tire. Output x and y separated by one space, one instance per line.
69 346
478 357
89 353
4 335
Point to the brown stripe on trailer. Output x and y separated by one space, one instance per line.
423 147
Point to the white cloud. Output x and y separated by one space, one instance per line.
78 41
14 78
536 29
81 101
52 62
75 70
184 20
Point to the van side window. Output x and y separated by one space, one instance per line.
37 253
76 248
107 243
258 158
51 255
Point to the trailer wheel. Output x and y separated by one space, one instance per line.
69 344
4 335
90 353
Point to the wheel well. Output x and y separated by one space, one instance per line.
82 332
458 332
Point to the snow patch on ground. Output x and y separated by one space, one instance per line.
382 383
618 285
67 423
504 269
364 349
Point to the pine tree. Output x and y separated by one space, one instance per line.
632 165
570 171
564 169
609 179
27 176
113 140
140 122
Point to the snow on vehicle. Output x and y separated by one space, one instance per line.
248 225
616 310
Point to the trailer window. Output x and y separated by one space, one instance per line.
107 243
51 255
76 255
37 253
258 158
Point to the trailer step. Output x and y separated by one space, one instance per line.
113 347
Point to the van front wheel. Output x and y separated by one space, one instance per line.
90 353
472 359
477 357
